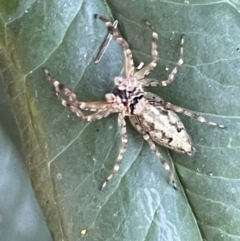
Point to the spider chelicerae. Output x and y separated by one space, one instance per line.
153 117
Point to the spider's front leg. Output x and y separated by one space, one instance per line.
146 70
154 82
105 44
128 65
123 134
102 108
95 116
60 88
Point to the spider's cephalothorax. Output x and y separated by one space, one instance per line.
131 93
153 117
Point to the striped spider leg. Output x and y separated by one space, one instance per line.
129 65
129 69
104 47
153 82
105 44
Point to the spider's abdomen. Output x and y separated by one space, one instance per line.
164 127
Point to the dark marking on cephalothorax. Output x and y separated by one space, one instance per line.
122 94
128 98
134 103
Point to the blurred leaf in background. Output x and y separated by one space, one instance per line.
20 216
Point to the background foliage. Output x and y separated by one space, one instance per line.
68 159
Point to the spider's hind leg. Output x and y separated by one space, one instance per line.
162 160
152 145
123 133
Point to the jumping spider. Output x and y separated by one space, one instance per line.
154 118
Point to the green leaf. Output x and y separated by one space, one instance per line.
69 158
20 216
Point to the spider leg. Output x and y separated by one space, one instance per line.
152 145
154 82
123 133
105 44
191 114
61 89
158 101
146 70
95 116
128 65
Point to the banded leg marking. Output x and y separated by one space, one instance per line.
61 89
128 65
123 134
153 147
154 82
105 44
155 57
